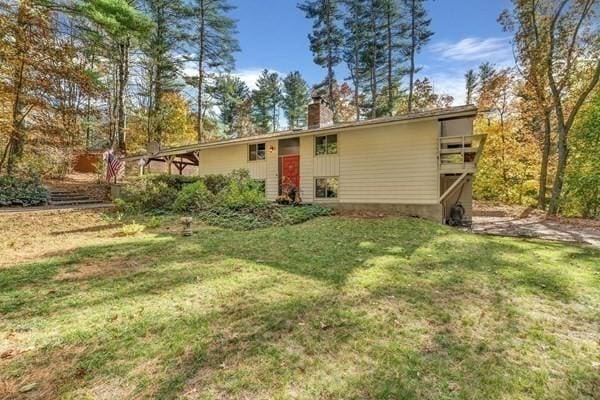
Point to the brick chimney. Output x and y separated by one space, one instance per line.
319 113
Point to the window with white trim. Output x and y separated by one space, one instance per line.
326 188
325 145
257 151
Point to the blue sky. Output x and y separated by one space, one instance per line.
273 35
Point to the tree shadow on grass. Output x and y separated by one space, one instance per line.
329 256
278 332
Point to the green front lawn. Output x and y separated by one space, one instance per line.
334 308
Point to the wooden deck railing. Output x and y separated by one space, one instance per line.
458 154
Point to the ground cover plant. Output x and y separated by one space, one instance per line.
232 201
22 191
335 308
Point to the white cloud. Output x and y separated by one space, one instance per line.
452 84
494 49
250 76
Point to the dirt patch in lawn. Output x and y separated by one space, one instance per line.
94 269
31 235
518 221
45 373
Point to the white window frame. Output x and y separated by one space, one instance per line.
256 152
327 198
337 146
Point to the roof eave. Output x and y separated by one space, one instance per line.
466 111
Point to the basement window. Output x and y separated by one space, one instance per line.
257 151
325 145
327 188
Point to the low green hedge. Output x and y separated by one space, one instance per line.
16 191
234 201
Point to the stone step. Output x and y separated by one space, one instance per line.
69 197
73 202
64 193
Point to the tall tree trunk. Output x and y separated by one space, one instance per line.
544 165
331 98
201 47
413 46
356 96
390 104
330 65
157 105
14 148
561 166
17 135
123 77
373 63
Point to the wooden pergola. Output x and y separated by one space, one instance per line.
178 157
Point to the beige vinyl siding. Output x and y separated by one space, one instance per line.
327 165
223 160
272 171
393 164
457 127
307 184
258 169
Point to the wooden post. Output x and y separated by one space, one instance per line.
169 163
197 157
142 164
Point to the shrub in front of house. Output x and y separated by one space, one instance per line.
22 191
216 183
176 182
194 197
234 201
242 193
147 196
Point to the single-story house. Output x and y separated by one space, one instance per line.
417 164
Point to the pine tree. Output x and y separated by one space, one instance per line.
394 71
215 45
326 39
295 100
470 85
355 28
266 100
373 56
164 66
416 29
229 93
123 26
485 93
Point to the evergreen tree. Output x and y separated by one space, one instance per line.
163 64
326 39
416 29
486 73
266 100
470 85
355 29
394 70
215 45
295 100
373 55
123 26
229 93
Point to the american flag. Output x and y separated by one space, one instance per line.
113 166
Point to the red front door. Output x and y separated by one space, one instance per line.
289 175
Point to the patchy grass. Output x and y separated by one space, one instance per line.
336 308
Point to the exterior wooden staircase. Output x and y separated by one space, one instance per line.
63 197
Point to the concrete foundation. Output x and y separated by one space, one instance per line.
432 212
